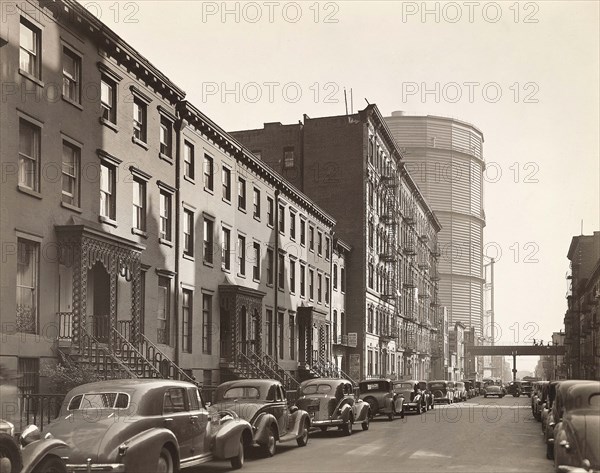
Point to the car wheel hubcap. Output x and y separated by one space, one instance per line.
163 465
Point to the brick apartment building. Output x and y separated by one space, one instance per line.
135 230
351 166
582 319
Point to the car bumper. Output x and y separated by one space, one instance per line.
89 467
322 423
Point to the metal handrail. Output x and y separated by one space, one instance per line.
156 356
125 347
100 355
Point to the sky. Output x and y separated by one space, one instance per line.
525 73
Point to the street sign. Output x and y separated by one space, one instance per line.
352 339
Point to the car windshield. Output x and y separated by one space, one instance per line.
99 401
242 392
317 389
493 388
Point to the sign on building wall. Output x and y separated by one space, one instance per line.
354 365
352 340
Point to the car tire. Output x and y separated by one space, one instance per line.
373 406
165 462
550 451
238 461
302 441
10 453
392 414
323 428
365 424
485 396
347 427
270 447
402 413
51 464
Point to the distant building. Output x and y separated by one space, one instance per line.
582 319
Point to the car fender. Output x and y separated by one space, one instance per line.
144 448
261 427
227 441
297 422
36 451
361 411
345 411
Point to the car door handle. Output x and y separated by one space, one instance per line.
193 417
168 419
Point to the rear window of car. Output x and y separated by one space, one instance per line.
376 386
402 386
437 385
242 392
595 400
317 389
99 401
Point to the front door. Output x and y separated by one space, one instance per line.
101 303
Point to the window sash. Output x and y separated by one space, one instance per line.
188 232
165 137
165 216
29 43
71 75
208 173
256 202
256 266
226 249
241 255
187 311
188 160
27 284
139 205
29 155
206 323
208 241
107 200
139 120
70 174
241 193
226 180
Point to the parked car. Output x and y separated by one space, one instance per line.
547 404
460 392
427 393
557 411
143 425
577 435
29 452
333 403
526 388
263 403
493 390
537 399
382 399
414 399
469 388
443 391
514 388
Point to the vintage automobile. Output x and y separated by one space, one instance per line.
548 397
526 388
537 398
443 391
415 399
29 452
382 399
493 390
263 403
333 403
557 411
460 392
427 393
514 388
143 425
577 435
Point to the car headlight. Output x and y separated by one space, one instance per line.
7 428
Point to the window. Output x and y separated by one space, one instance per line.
292 225
288 157
319 243
371 271
302 232
269 266
163 315
188 232
270 209
370 320
302 280
166 136
269 332
27 285
256 202
28 370
326 289
327 249
108 99
371 231
188 160
370 362
281 219
335 276
241 252
226 180
281 271
107 191
208 241
280 335
371 148
29 155
256 265
311 238
206 323
292 275
187 312
343 279
139 204
30 48
319 287
241 193
208 173
70 174
139 120
71 63
226 249
311 284
165 216
292 338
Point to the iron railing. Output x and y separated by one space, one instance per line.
39 409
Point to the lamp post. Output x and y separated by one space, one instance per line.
555 343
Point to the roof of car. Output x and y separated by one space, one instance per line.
251 381
129 384
336 381
376 380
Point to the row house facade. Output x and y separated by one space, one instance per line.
137 232
582 318
351 166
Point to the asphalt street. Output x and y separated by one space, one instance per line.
480 435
